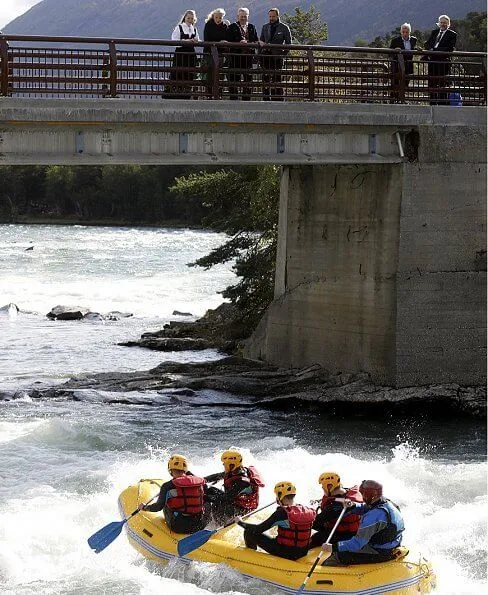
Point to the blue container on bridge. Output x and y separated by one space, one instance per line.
455 99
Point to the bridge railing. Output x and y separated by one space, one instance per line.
35 66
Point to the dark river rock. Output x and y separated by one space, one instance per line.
271 387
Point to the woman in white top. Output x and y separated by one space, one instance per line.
185 56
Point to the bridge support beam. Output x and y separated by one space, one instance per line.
382 268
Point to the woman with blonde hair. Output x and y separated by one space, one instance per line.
215 30
185 56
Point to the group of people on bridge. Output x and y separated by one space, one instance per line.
370 528
239 61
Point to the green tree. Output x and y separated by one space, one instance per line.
471 32
307 27
244 204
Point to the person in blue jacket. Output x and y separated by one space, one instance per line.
380 530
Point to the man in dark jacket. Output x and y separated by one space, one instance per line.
442 39
277 33
404 41
240 60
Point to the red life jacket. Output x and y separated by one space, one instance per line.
250 476
349 523
300 519
189 495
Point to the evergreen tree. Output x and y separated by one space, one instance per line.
244 204
307 27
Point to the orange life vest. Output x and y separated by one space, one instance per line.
187 495
251 476
300 520
349 523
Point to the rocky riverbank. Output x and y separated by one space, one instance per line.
269 387
219 329
257 383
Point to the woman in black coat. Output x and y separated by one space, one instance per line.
215 30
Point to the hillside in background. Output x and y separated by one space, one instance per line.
347 19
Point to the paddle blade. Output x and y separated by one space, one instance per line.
193 542
104 537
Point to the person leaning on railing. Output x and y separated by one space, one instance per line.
277 33
442 39
184 56
215 30
242 31
404 41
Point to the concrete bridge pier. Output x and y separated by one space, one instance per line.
382 268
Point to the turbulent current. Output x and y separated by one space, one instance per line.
64 463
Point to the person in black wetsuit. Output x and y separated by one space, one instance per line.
241 488
294 523
181 498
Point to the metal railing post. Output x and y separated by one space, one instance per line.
311 75
4 86
401 78
113 68
214 72
483 82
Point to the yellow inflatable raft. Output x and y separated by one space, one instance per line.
148 534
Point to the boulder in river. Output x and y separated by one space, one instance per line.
170 344
9 310
67 313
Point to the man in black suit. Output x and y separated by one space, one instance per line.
277 33
241 32
441 39
404 41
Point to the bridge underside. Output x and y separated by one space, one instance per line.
113 131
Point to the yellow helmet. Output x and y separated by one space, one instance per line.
178 462
284 488
231 459
329 480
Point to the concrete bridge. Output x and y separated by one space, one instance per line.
381 261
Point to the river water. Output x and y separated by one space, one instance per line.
63 463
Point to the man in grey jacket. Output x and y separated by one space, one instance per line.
277 33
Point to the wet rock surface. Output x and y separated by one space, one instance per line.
217 329
266 386
79 313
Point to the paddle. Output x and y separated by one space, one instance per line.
104 536
194 541
317 559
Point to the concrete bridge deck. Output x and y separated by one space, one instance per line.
118 131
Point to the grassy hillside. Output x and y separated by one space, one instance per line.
347 19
